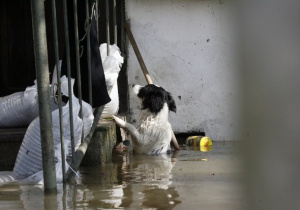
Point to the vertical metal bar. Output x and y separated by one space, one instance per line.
43 86
115 23
107 26
59 89
88 44
77 56
97 17
66 31
122 45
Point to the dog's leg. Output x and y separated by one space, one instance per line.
121 123
174 140
128 127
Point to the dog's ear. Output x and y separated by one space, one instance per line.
171 102
154 102
157 102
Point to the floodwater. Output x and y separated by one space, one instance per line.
187 179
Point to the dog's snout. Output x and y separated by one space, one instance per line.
136 89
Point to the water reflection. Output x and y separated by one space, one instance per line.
193 180
129 181
150 178
135 181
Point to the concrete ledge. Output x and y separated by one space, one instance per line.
102 144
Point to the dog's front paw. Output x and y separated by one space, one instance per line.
121 123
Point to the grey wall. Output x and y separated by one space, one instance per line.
190 49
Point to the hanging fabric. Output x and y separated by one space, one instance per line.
99 90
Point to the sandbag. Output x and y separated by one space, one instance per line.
111 65
112 107
21 108
114 52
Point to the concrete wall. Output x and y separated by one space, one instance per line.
189 48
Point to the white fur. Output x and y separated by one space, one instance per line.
153 133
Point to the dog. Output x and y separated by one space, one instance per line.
154 132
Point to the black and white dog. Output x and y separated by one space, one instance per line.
153 133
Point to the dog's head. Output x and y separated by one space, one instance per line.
154 98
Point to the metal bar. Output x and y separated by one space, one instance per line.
77 56
88 44
107 26
115 23
97 17
122 28
66 31
59 89
80 152
138 54
43 84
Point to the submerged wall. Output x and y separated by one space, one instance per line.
189 48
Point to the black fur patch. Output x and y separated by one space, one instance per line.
153 98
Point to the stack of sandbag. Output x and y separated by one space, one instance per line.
111 65
28 166
21 108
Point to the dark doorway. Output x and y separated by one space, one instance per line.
16 44
17 69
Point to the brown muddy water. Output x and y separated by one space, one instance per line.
187 179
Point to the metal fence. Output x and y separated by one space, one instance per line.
42 72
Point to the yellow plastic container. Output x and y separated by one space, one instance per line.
203 142
205 148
